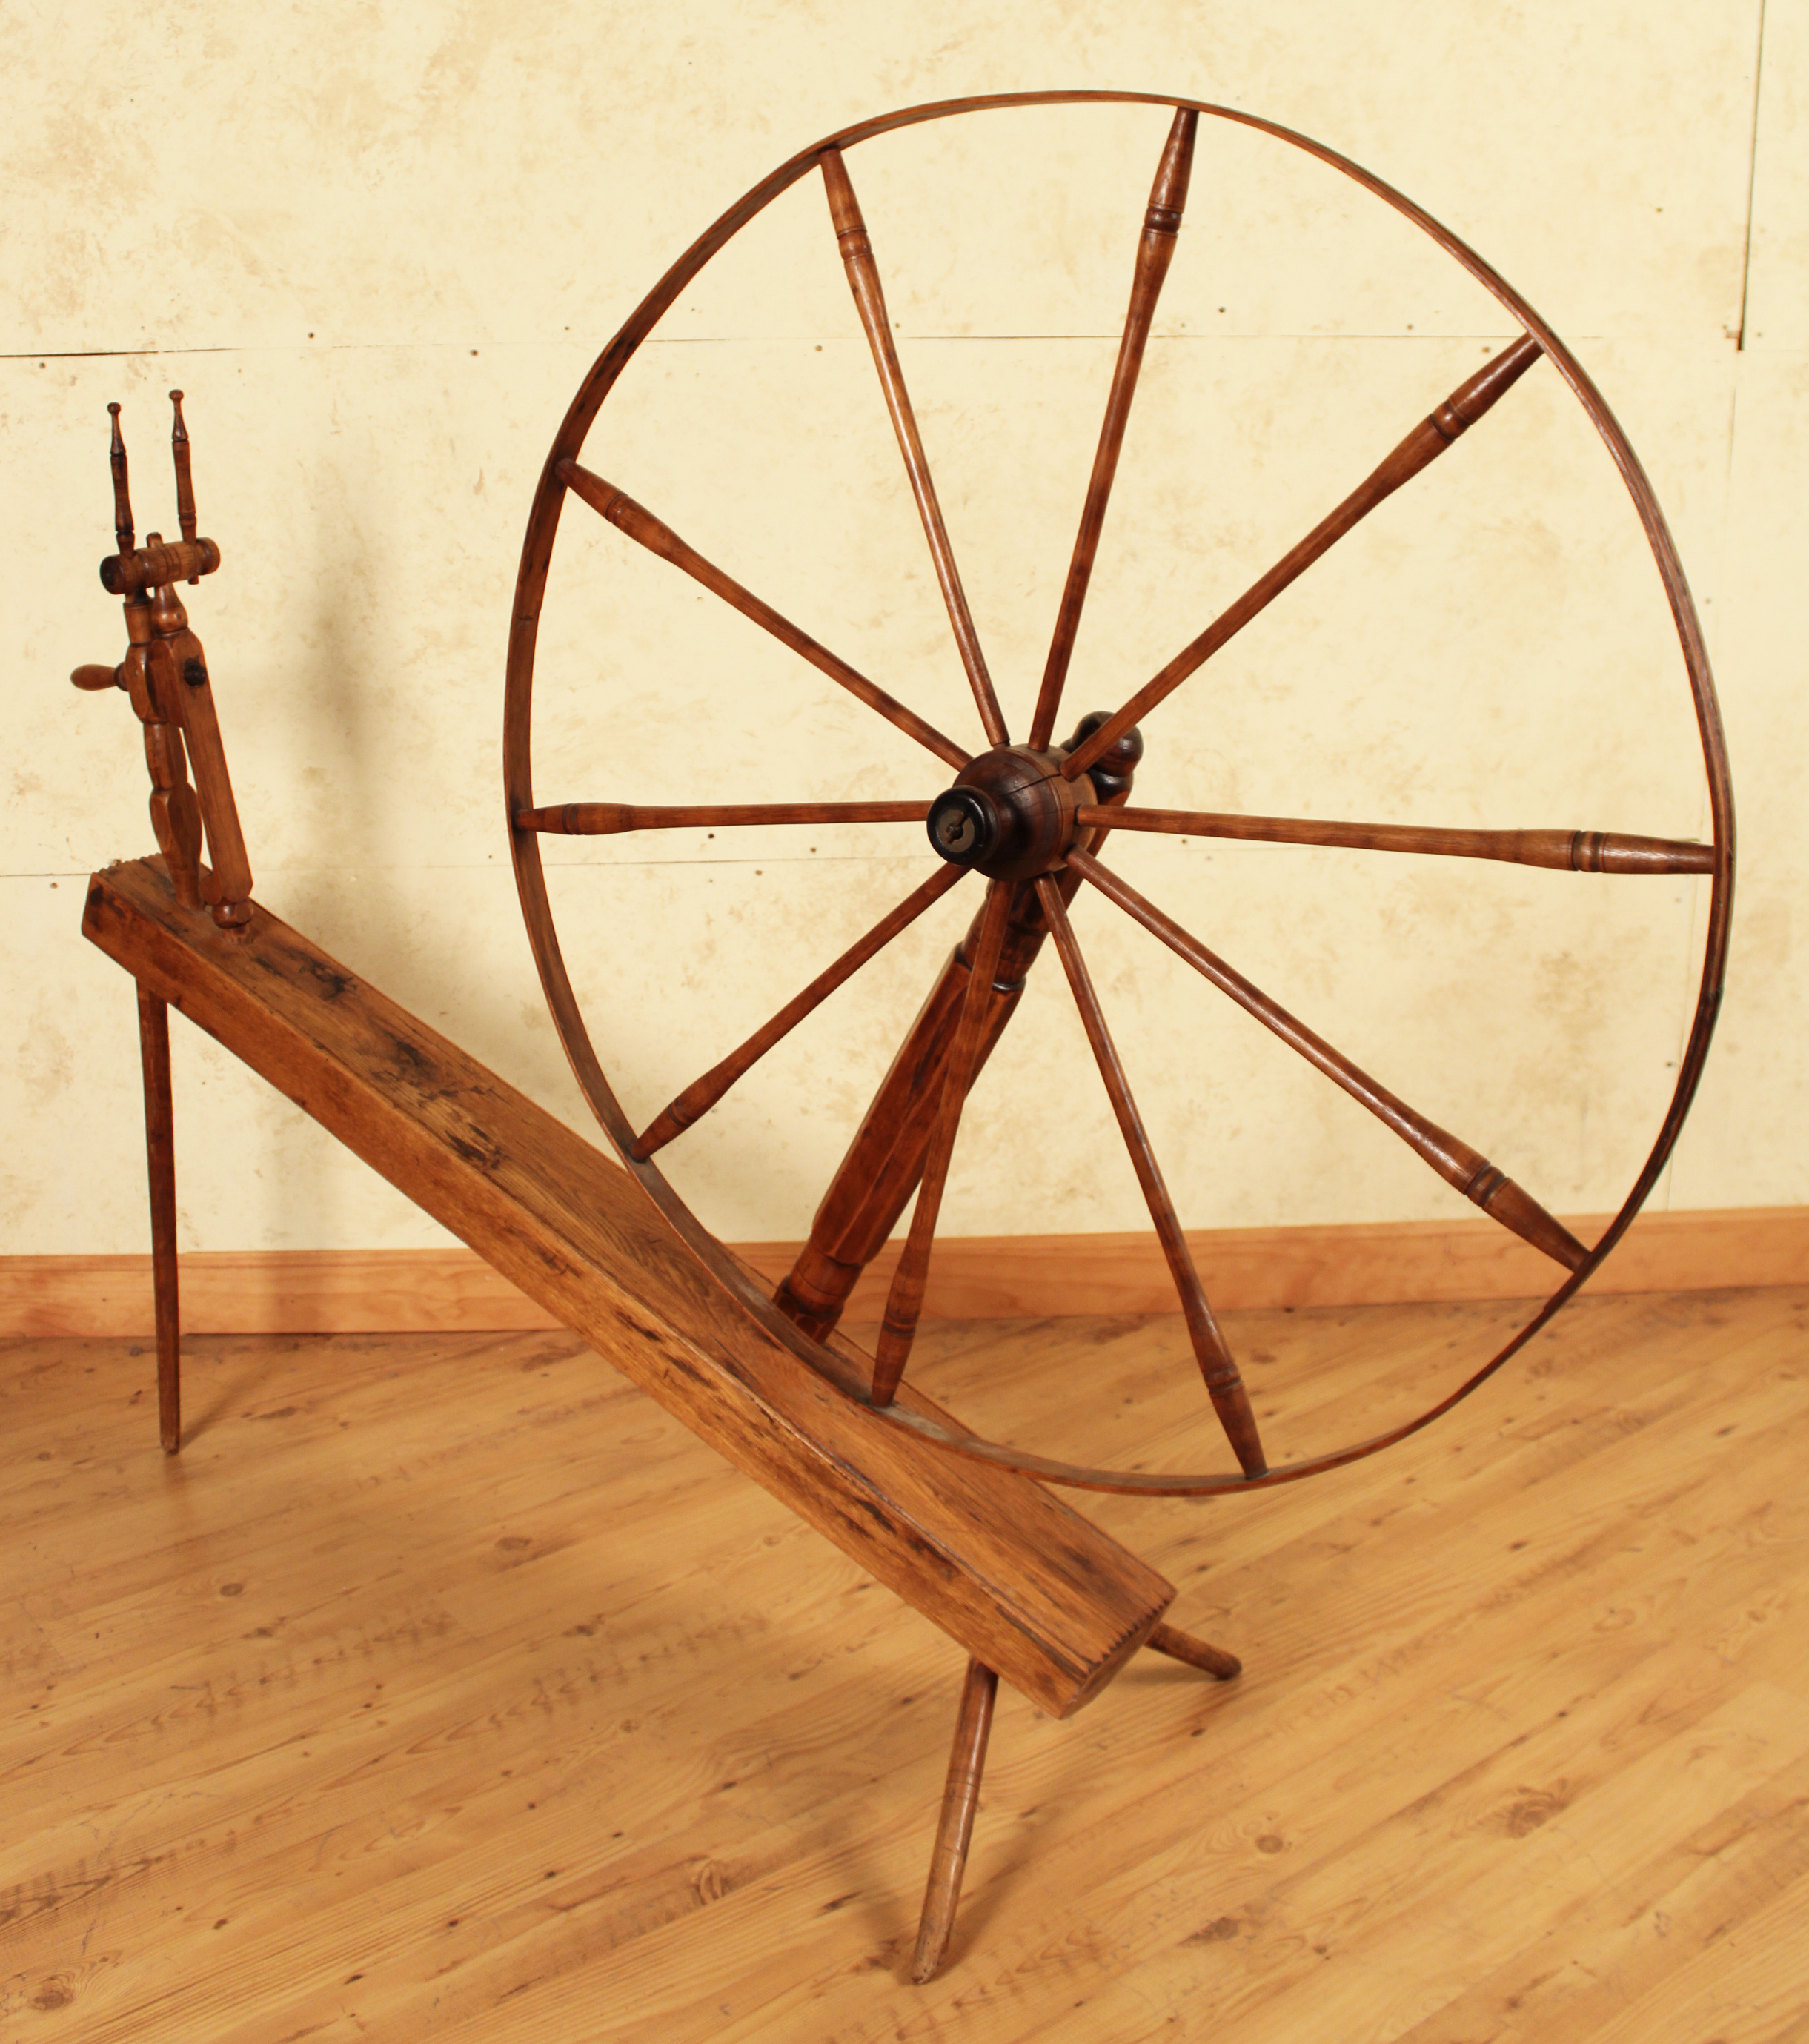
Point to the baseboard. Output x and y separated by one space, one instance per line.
974 1278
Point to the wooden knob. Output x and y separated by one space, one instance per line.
97 677
1113 771
1121 760
964 825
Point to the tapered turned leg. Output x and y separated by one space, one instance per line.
949 1861
160 1151
1179 1645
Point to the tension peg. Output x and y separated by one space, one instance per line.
122 495
185 480
99 678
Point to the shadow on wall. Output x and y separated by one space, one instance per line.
440 935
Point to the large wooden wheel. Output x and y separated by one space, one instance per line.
1030 819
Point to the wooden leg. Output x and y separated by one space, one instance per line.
949 1861
160 1150
1179 1645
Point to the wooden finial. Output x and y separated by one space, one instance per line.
122 495
185 480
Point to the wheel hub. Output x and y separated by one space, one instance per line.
1010 814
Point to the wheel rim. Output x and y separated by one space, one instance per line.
837 1360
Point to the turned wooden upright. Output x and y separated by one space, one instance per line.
165 673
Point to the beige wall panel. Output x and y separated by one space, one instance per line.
489 173
1745 1143
1777 280
387 247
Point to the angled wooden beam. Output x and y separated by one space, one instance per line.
1020 1581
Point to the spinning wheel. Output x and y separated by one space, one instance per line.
947 1519
1030 820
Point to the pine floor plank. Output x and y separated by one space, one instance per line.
445 1686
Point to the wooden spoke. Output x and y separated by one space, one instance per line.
1456 1163
640 524
1423 445
904 1301
1223 1384
1562 851
180 454
608 819
1155 251
702 1094
121 484
870 301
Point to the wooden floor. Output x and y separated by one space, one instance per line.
444 1687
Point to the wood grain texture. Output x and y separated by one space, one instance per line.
610 819
454 1291
444 1687
175 814
904 1297
1016 1578
179 679
1170 1641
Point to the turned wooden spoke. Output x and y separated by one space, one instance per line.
870 301
1423 445
1155 251
1455 1161
904 1301
702 1094
1223 1384
1561 851
608 819
641 526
